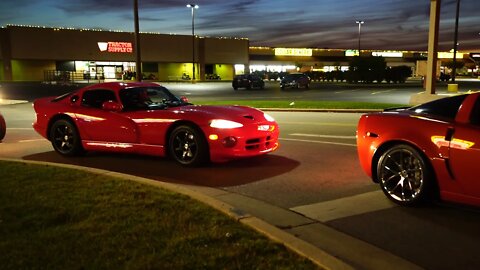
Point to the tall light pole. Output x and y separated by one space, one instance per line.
359 33
193 7
455 43
137 43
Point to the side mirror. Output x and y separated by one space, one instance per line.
112 106
184 99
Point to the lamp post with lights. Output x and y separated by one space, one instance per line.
359 33
193 7
455 43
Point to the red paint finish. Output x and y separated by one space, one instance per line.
451 145
112 127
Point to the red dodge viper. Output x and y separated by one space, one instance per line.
146 118
430 149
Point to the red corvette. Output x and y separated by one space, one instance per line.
419 152
146 118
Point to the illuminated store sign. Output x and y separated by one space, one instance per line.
115 47
351 53
388 54
293 52
449 55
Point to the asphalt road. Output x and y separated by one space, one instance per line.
315 173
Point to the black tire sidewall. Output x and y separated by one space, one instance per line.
426 190
200 157
77 145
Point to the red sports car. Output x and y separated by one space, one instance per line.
3 127
418 152
146 118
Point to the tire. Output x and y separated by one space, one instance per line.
188 146
404 175
235 88
307 86
65 138
3 128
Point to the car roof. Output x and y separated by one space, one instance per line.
116 86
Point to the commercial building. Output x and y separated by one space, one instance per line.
32 53
40 53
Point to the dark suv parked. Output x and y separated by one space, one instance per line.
295 80
247 81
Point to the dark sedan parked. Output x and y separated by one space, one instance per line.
295 80
247 81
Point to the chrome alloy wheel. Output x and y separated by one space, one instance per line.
402 174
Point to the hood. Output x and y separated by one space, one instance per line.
241 114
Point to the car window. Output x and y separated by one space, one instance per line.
475 114
147 98
96 98
445 107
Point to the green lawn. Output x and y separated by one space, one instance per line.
303 104
55 218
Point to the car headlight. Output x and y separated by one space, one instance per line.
224 124
268 117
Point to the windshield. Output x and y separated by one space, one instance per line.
148 98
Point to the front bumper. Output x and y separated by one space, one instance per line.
250 142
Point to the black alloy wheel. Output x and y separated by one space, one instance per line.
188 146
404 175
65 138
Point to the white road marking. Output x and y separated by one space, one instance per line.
322 142
345 91
380 92
318 124
345 207
19 128
323 136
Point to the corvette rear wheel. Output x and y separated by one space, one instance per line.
404 176
65 138
188 146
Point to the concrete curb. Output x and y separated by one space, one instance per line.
301 247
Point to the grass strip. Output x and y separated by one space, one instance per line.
56 218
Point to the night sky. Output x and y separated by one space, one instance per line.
389 24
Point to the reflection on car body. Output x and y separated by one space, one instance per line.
425 151
147 118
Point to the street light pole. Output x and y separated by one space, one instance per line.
138 61
193 7
359 33
455 43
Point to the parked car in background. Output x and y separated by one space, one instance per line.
295 80
247 81
3 127
423 152
146 118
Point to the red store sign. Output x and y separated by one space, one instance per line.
115 47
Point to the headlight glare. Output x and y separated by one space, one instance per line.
224 124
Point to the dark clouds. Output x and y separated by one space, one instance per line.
389 24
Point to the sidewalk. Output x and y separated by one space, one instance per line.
328 248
